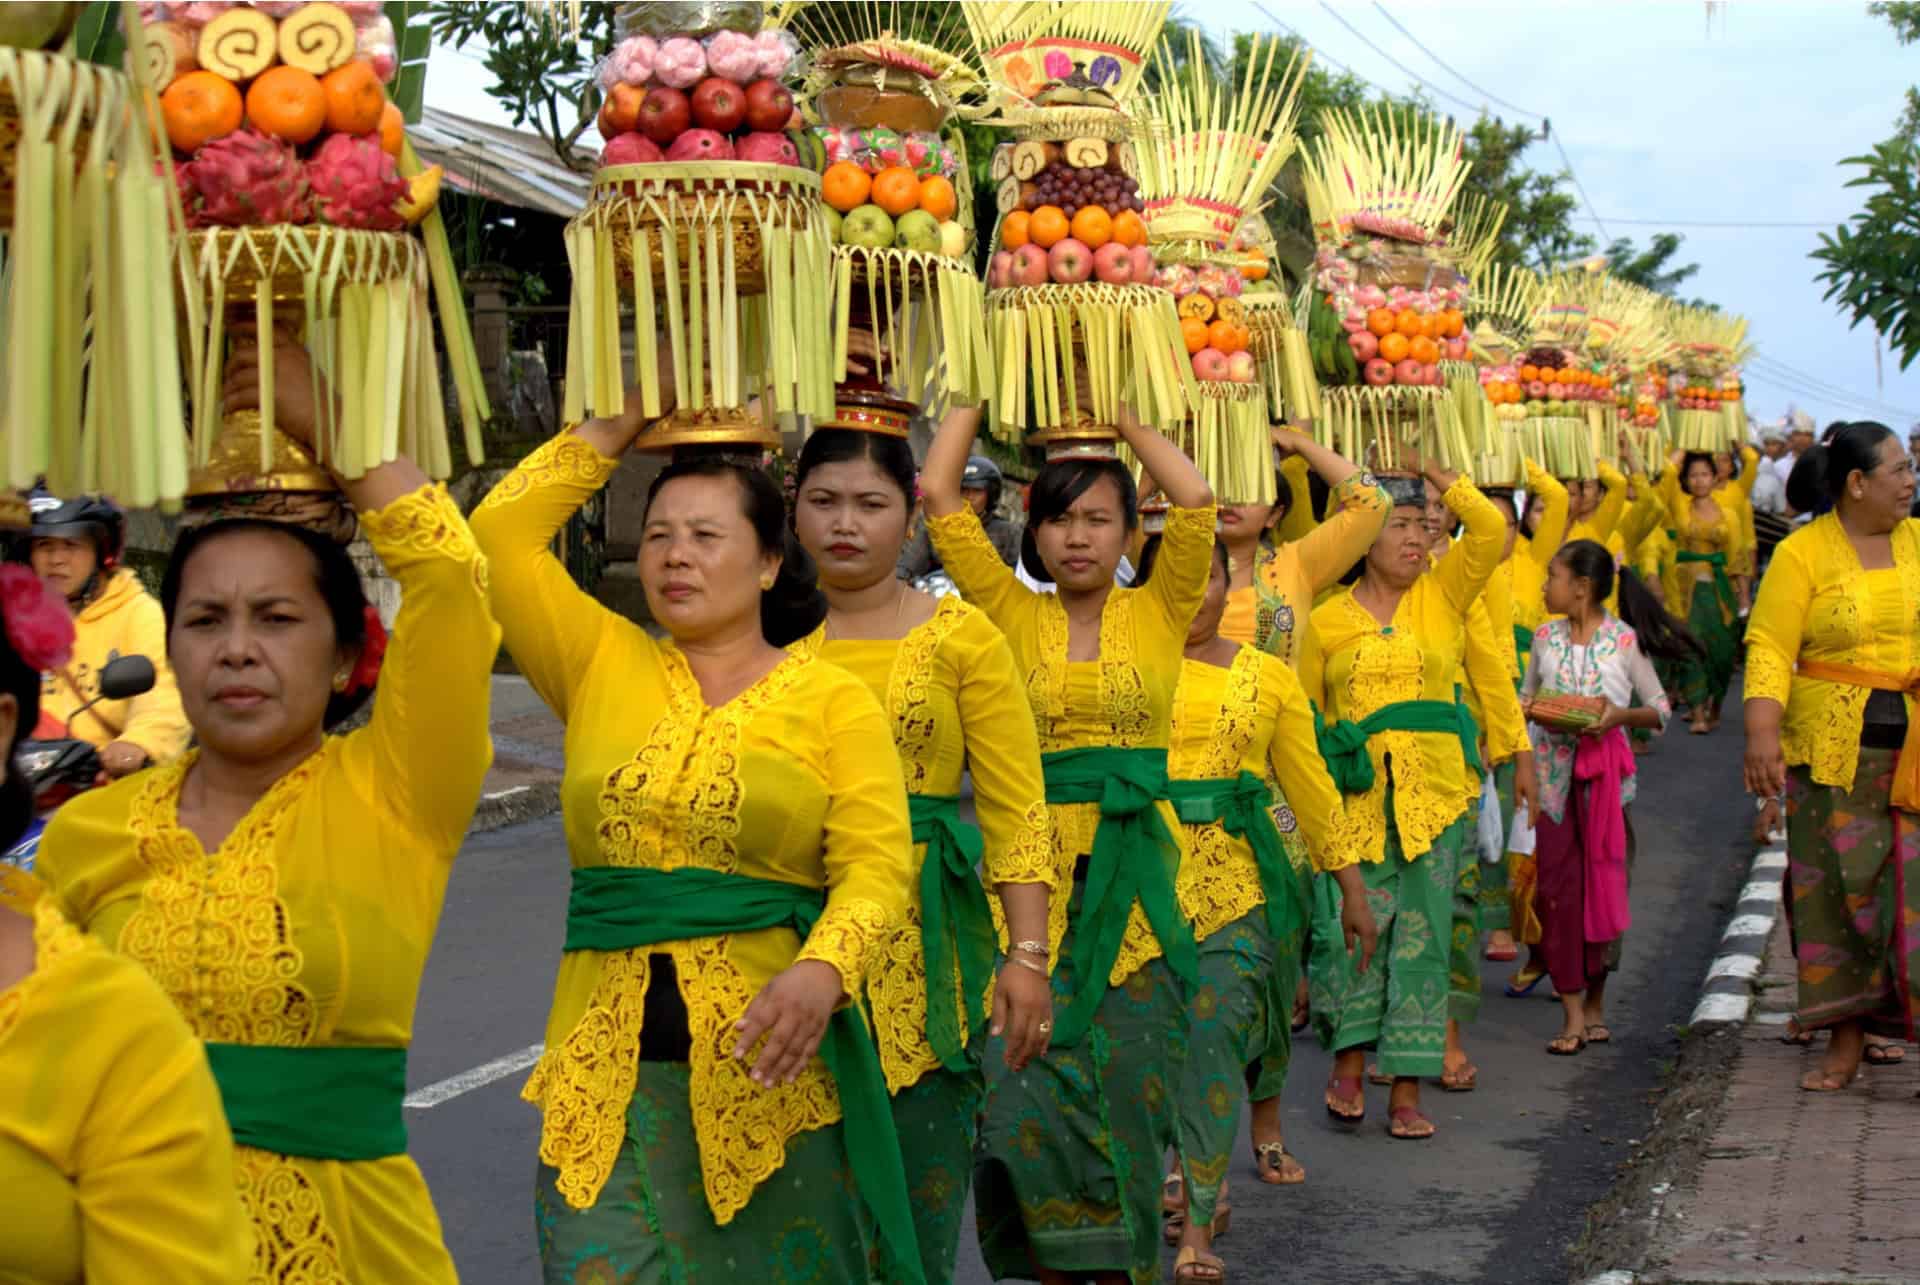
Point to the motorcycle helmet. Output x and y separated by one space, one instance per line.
88 517
983 474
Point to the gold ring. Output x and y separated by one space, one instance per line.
1045 1027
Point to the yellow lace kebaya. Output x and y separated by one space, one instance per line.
955 702
1722 534
1251 716
1124 699
1489 670
115 1159
1277 608
1607 514
790 781
1816 604
1354 666
311 924
1523 576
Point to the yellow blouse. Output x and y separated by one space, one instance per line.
1720 534
1353 666
953 697
1272 612
1253 717
1489 669
1607 514
1816 603
781 782
311 923
115 1159
1525 569
1123 699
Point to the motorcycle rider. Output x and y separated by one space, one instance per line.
980 485
76 548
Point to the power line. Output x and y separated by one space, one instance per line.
1449 70
1580 187
1476 108
1774 371
1714 223
1319 54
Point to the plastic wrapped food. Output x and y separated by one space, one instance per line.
278 8
664 19
733 55
680 62
362 11
776 50
630 62
199 13
377 45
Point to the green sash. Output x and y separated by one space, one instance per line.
1722 586
1133 857
1344 744
626 907
1241 805
956 924
322 1103
1523 641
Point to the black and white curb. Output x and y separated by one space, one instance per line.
1727 995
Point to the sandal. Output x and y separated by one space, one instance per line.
1222 1214
1599 1034
1193 1265
1346 1088
1794 1035
1277 1166
1566 1045
1521 984
1375 1076
1408 1124
1462 1079
1501 954
1888 1054
1173 1208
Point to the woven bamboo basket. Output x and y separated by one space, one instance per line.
1385 426
63 96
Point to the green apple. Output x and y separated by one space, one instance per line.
868 226
919 230
953 240
834 219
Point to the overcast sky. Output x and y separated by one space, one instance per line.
1672 116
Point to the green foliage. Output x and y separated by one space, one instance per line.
1872 262
97 37
542 78
1652 268
413 33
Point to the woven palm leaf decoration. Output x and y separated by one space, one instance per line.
1557 379
1487 393
1285 368
1073 347
1385 301
1208 153
1709 348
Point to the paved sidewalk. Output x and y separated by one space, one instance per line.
1797 1186
528 754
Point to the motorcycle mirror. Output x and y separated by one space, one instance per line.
126 677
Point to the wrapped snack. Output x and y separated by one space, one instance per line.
362 11
734 55
884 149
680 63
377 45
279 8
662 19
200 12
834 142
775 51
632 61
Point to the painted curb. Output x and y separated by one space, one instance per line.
1727 994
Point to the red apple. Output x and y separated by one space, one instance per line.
1457 348
1143 265
1409 372
620 109
1070 262
1113 263
1379 372
1537 390
665 114
1029 266
631 149
1556 391
767 148
1365 345
1211 364
718 105
1000 270
700 145
1241 368
769 105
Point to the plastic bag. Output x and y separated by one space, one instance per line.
1493 836
663 19
377 45
681 62
629 63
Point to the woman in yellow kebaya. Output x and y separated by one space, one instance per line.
955 703
115 1156
1700 589
283 885
741 849
1068 1183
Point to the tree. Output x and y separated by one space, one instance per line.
1651 268
1539 231
1904 17
543 78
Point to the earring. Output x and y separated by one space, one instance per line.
766 583
340 682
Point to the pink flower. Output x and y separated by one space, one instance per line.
38 624
1058 65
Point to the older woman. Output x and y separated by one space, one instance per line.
1832 650
283 885
114 1155
741 847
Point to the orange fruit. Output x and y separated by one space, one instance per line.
287 103
1380 322
1423 350
1455 323
845 185
1393 346
1254 267
200 107
1529 374
1129 229
1194 331
1048 226
393 130
1092 226
1433 325
896 190
355 99
1223 334
937 197
1408 323
1013 230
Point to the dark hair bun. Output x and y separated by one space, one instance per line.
1807 484
795 606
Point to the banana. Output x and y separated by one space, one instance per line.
423 192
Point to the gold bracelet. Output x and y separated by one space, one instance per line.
1028 964
1032 948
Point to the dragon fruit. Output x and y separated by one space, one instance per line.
355 184
244 180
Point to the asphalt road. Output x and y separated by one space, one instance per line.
1497 1197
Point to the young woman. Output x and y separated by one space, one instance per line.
1583 845
1239 719
954 701
741 850
1834 640
1067 1185
1382 666
281 884
1606 504
1700 592
115 1158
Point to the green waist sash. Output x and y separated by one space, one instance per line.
1241 805
1722 586
1344 744
625 908
956 924
324 1103
1133 858
1522 640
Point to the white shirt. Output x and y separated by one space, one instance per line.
1769 492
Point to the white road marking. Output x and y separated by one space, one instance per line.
480 1076
506 794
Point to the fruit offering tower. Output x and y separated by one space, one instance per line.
1709 347
707 225
1207 156
90 397
1558 383
1622 339
1385 302
1500 309
1279 346
305 207
1077 323
1467 243
899 202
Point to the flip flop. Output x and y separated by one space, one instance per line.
1502 954
1408 1119
1794 1035
1173 1208
1883 1054
1462 1079
1346 1088
1522 992
1558 1048
1374 1075
1190 1265
1273 1158
1603 1036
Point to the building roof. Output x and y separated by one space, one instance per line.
512 166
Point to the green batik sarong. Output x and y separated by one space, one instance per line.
1268 1076
934 1118
1400 1004
806 1225
1068 1169
1463 953
1232 1018
1710 615
1496 911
